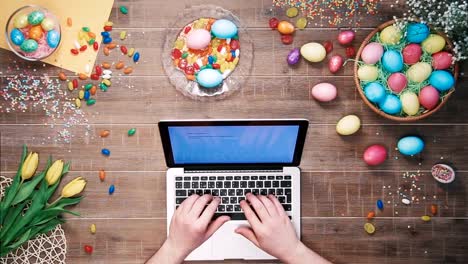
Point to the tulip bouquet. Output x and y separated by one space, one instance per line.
25 211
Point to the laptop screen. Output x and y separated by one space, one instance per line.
232 143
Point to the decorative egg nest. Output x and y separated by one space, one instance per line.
414 110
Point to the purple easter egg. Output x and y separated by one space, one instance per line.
293 56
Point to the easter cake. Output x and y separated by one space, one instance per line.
404 71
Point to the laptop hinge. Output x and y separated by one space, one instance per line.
232 170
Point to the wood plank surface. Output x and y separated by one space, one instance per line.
338 189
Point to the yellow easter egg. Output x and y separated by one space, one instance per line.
20 21
410 103
368 73
47 24
419 72
348 125
390 35
313 52
434 43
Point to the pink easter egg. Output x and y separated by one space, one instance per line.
412 53
324 92
441 60
198 39
429 97
375 155
346 37
397 82
372 53
335 63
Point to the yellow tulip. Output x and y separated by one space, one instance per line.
54 172
29 165
74 187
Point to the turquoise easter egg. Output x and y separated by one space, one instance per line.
36 17
17 36
53 38
29 45
209 78
417 32
410 145
224 29
375 92
442 80
391 104
392 61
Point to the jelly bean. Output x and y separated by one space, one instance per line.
350 52
136 57
94 76
405 201
273 23
301 23
111 189
109 23
189 70
196 66
93 90
123 10
210 59
82 76
95 46
69 21
176 53
81 94
130 52
287 39
119 65
128 70
123 49
370 215
92 35
106 76
86 95
74 51
107 28
187 29
98 70
328 45
85 29
233 54
90 102
106 51
434 209
106 65
107 82
88 249
426 218
131 131
182 63
107 40
91 41
184 55
102 175
216 66
111 46
104 133
70 86
92 229
123 34
234 44
370 228
105 34
190 77
62 76
103 87
77 103
83 48
88 86
75 83
380 204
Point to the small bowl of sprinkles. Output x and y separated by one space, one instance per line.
202 53
33 33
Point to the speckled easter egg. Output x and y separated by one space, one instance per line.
293 56
224 29
313 52
391 104
198 39
410 103
35 17
368 73
372 53
16 36
397 82
53 38
442 80
419 72
390 35
209 78
20 21
346 37
392 61
335 63
417 32
442 60
412 53
348 125
375 92
47 24
29 45
429 97
410 145
324 92
35 33
434 43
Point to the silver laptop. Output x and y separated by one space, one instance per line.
229 158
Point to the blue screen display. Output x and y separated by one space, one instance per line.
233 144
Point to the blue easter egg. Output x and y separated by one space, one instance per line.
391 104
53 38
442 80
224 29
417 32
209 78
392 61
17 36
410 145
375 92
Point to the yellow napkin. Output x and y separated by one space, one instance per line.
89 13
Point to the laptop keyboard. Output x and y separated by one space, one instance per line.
232 190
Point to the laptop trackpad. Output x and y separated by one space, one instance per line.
226 244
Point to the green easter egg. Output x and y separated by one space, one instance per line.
35 17
29 45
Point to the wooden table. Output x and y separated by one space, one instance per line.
338 189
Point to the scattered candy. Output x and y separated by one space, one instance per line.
123 10
105 152
328 45
273 23
106 65
380 205
69 21
292 12
346 37
136 57
77 103
443 173
128 70
434 209
119 65
111 189
123 34
287 39
369 228
370 215
92 229
88 249
426 218
104 133
405 201
350 52
62 76
301 23
90 101
131 131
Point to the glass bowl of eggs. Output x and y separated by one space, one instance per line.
405 70
33 32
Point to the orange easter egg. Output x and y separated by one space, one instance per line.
35 32
284 27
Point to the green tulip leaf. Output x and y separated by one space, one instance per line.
68 201
12 217
25 237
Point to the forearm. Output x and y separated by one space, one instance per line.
167 254
304 255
